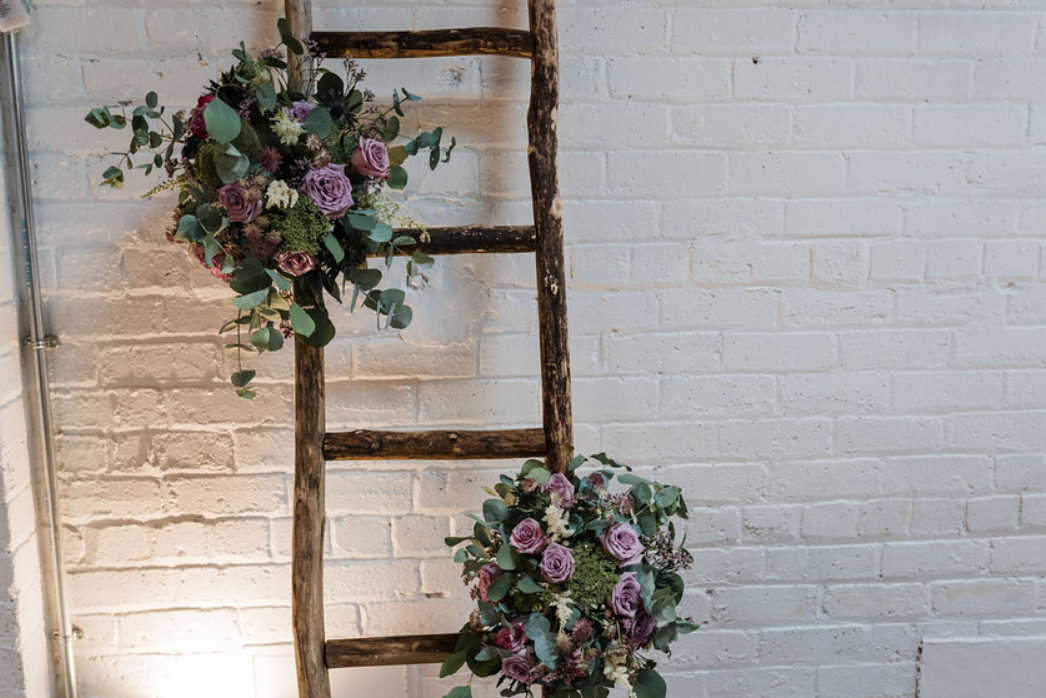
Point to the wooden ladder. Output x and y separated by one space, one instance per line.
313 446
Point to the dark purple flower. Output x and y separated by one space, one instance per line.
329 189
242 203
639 629
299 111
623 544
487 574
624 600
519 667
371 158
296 263
527 537
557 564
196 123
597 480
560 490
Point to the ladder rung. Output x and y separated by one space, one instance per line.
390 651
471 239
473 41
366 444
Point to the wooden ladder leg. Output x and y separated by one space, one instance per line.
548 219
307 553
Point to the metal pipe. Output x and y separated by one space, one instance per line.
38 342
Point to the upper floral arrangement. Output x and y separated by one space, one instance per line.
574 583
281 177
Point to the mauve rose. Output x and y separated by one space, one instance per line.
557 564
623 544
296 263
329 189
624 600
371 158
299 111
512 639
196 123
241 204
487 574
640 628
560 490
519 667
527 537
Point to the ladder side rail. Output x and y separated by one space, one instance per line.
548 220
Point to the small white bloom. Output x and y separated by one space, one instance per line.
287 128
279 195
563 610
557 522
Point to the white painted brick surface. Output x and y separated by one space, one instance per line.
807 282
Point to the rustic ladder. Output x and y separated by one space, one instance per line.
313 447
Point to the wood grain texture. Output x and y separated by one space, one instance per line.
390 651
366 444
307 543
473 41
548 219
472 239
299 21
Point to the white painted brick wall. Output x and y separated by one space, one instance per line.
807 283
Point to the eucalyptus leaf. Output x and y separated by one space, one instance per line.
266 95
302 323
494 511
242 378
507 558
453 663
500 588
649 684
250 300
319 122
528 586
222 121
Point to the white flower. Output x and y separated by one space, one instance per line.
557 522
563 610
279 195
615 668
287 128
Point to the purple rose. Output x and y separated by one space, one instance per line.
560 490
242 204
296 263
623 544
371 158
639 629
527 537
329 189
487 574
625 597
519 667
299 111
513 639
557 564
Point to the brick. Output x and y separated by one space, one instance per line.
713 395
730 125
819 394
914 80
672 79
852 125
933 391
825 479
982 35
885 601
861 33
778 172
924 559
794 78
767 31
775 438
993 514
983 597
894 349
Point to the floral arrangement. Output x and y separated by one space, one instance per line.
281 177
573 582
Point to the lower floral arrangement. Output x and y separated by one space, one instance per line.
574 583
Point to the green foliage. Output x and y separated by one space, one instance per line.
303 226
595 575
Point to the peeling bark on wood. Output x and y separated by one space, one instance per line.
390 651
364 444
471 239
422 44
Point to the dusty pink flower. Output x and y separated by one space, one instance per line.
242 203
296 263
513 639
196 123
557 564
623 544
371 158
639 629
527 537
560 490
519 667
487 574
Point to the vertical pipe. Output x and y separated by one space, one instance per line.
548 219
38 342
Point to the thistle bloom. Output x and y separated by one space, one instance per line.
527 537
270 159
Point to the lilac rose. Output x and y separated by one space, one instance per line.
623 544
296 263
557 564
371 158
624 600
329 189
527 537
560 490
519 667
242 204
299 111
